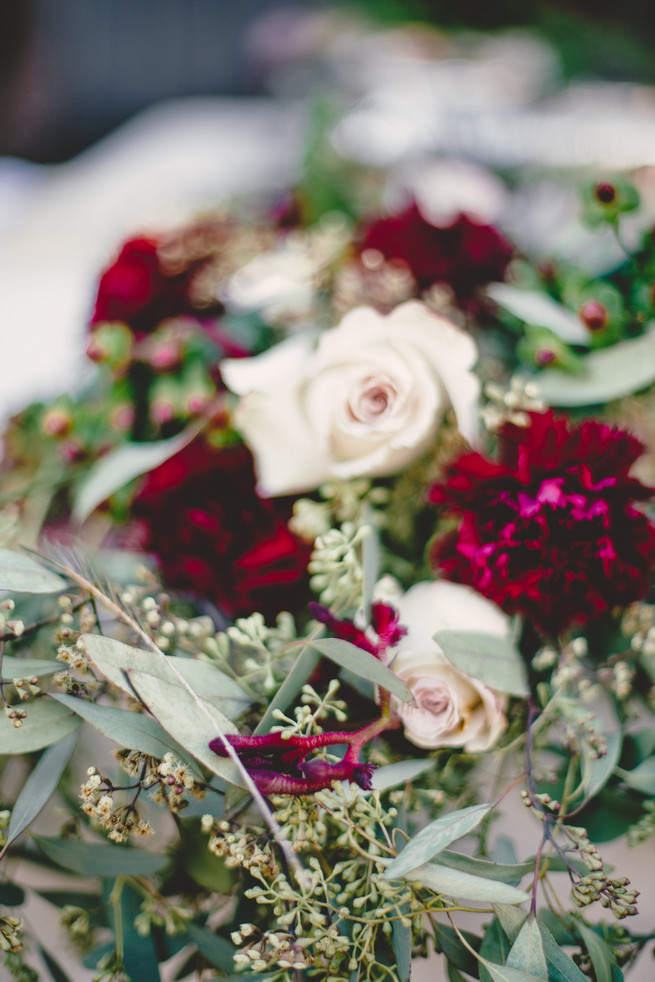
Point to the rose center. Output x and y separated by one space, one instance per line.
374 399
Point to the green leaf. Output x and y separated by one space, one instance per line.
122 465
500 872
47 722
56 971
511 919
600 953
362 663
132 730
540 310
39 787
300 671
434 837
527 952
561 968
504 973
100 858
596 772
11 895
370 561
453 883
203 866
641 778
26 668
401 940
216 687
607 374
22 574
216 950
490 659
405 770
140 955
494 949
453 949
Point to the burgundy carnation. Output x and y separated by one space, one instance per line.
465 254
215 537
552 530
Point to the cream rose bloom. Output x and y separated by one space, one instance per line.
363 401
449 709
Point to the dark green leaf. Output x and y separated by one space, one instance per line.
490 659
216 950
504 973
453 949
599 952
434 837
22 574
47 722
200 864
11 895
363 664
139 952
561 968
100 858
401 940
56 971
494 948
39 787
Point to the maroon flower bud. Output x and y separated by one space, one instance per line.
544 356
593 315
605 193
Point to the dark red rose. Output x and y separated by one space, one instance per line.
136 290
465 255
552 530
214 536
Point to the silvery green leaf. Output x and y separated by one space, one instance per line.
511 919
26 668
370 562
540 310
216 687
362 663
39 787
561 967
434 837
596 771
100 858
505 873
527 952
640 778
490 659
401 940
22 574
600 953
122 465
136 731
454 883
607 374
405 770
503 973
47 722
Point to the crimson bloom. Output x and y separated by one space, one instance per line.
551 531
214 536
465 255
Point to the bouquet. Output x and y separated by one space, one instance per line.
341 565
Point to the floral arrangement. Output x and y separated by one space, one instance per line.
342 563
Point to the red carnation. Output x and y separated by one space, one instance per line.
465 255
215 537
552 530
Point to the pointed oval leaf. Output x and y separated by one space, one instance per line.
25 668
540 310
132 730
100 858
215 949
434 837
490 659
122 465
362 663
561 967
599 952
596 771
503 872
511 919
22 574
39 787
642 777
47 722
607 374
454 883
527 952
401 941
393 774
503 973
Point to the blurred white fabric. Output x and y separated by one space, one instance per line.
60 225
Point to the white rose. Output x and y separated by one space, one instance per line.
362 402
450 709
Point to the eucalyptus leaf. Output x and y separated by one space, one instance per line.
370 561
391 775
607 374
216 950
511 919
300 671
454 883
362 663
100 858
39 787
538 309
122 465
215 686
401 940
600 953
23 574
11 895
494 949
504 973
453 949
527 951
561 968
434 837
640 778
596 771
490 659
502 872
26 668
135 731
56 971
47 722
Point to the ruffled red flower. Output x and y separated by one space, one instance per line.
465 255
215 537
552 530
